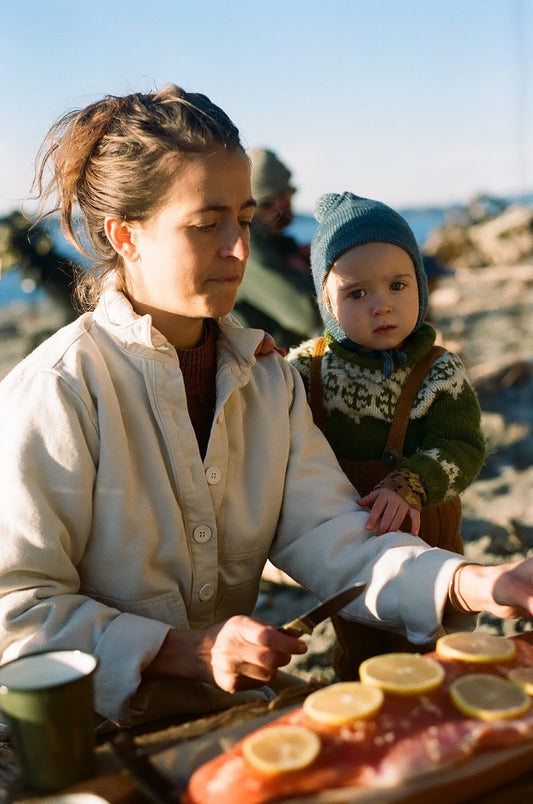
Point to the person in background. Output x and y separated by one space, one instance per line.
277 293
151 461
398 411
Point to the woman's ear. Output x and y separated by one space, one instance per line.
121 236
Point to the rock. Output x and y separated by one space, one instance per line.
452 246
524 533
484 206
505 238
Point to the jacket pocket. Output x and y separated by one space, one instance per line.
167 607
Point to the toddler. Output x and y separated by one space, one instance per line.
399 412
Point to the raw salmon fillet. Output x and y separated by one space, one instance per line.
409 737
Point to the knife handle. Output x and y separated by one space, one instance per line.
296 628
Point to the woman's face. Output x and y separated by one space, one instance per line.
189 258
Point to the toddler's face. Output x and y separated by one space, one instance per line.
373 293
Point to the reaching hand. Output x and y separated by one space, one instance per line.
505 590
389 510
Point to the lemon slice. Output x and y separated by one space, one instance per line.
477 646
523 676
402 673
343 702
280 749
488 697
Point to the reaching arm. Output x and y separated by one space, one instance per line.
505 590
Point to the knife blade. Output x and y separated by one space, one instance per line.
306 622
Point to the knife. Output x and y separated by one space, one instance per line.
306 623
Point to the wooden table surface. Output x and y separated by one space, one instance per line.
114 785
494 781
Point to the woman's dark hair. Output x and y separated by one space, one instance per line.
119 157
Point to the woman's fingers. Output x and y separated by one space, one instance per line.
244 648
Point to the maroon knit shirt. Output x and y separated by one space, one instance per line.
199 368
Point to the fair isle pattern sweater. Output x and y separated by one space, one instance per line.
444 443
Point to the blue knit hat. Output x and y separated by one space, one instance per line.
347 220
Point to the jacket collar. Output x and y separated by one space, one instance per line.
115 312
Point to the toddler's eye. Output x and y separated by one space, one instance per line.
397 285
357 294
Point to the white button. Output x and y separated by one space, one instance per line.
201 534
206 592
213 475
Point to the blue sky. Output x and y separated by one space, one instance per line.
408 101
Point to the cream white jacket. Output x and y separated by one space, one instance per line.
113 530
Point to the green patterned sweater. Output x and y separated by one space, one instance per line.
444 443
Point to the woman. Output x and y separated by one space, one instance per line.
151 463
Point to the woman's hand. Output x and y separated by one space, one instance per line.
388 511
239 654
243 653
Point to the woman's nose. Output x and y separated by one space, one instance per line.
236 244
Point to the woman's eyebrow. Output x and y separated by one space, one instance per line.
249 204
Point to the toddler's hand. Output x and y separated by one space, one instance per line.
267 346
389 510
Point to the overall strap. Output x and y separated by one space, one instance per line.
395 442
315 384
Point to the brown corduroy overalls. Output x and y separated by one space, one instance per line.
440 524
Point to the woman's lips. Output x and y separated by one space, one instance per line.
229 280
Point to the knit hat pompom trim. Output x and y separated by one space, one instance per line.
325 204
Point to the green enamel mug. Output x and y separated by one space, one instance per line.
47 700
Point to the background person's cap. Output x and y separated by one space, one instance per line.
270 177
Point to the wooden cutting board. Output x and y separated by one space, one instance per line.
462 783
